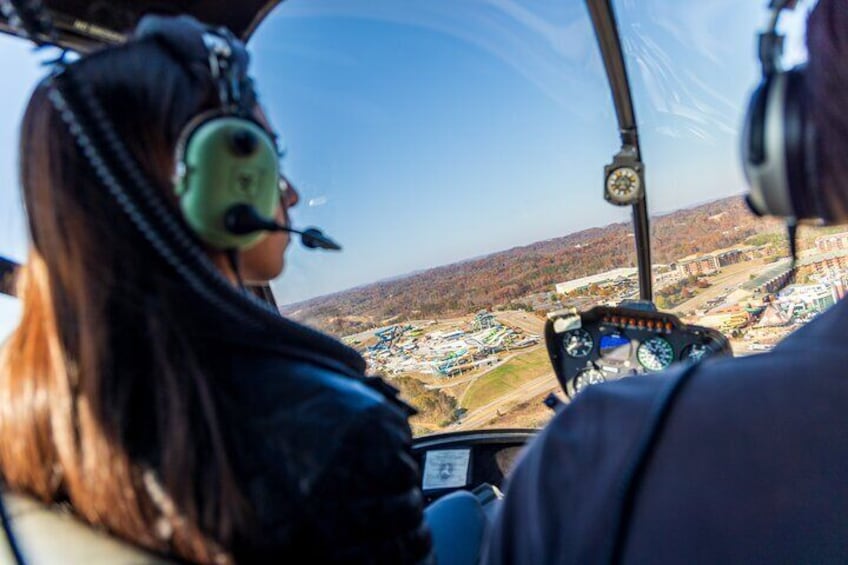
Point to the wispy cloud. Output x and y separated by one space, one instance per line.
552 46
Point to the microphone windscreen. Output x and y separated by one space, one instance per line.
315 239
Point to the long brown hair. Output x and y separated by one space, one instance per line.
104 400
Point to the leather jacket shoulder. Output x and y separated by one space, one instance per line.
325 460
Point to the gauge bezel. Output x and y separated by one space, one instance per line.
659 339
625 160
624 199
624 340
584 335
684 353
571 386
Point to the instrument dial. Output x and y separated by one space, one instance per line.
655 354
695 352
624 186
587 377
578 343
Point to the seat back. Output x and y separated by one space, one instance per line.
48 535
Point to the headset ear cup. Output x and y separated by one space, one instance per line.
181 171
764 148
225 161
754 147
794 119
797 132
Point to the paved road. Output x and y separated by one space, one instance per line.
523 320
731 278
488 412
468 379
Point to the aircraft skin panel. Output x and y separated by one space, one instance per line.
84 26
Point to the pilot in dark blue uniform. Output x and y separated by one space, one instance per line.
730 461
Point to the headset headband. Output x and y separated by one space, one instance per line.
214 50
770 41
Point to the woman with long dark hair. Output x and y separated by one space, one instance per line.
154 413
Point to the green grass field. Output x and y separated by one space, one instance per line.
509 376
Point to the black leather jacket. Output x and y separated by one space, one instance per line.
323 453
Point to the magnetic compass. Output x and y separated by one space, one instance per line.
623 180
624 186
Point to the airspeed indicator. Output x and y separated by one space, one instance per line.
655 354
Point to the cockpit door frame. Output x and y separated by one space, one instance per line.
609 42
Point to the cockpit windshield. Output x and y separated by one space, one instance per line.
456 150
22 73
422 134
446 146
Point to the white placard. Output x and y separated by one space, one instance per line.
446 468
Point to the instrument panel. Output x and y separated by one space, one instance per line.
468 459
609 343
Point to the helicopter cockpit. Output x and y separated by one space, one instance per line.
532 199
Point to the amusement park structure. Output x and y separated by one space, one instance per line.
407 349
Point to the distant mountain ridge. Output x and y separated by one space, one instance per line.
506 276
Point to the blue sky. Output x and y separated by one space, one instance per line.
467 127
422 133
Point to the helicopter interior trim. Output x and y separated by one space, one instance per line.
624 178
83 26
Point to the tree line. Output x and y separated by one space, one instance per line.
503 278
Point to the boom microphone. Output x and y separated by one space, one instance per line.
8 272
243 219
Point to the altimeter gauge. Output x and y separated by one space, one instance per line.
586 377
578 343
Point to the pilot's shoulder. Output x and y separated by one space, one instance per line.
575 464
599 428
801 364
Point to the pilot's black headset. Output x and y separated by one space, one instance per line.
227 164
779 159
779 140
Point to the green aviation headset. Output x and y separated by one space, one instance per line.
227 176
227 163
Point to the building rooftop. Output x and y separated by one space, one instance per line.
715 253
840 235
620 273
810 258
776 270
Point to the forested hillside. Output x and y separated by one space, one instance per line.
505 277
